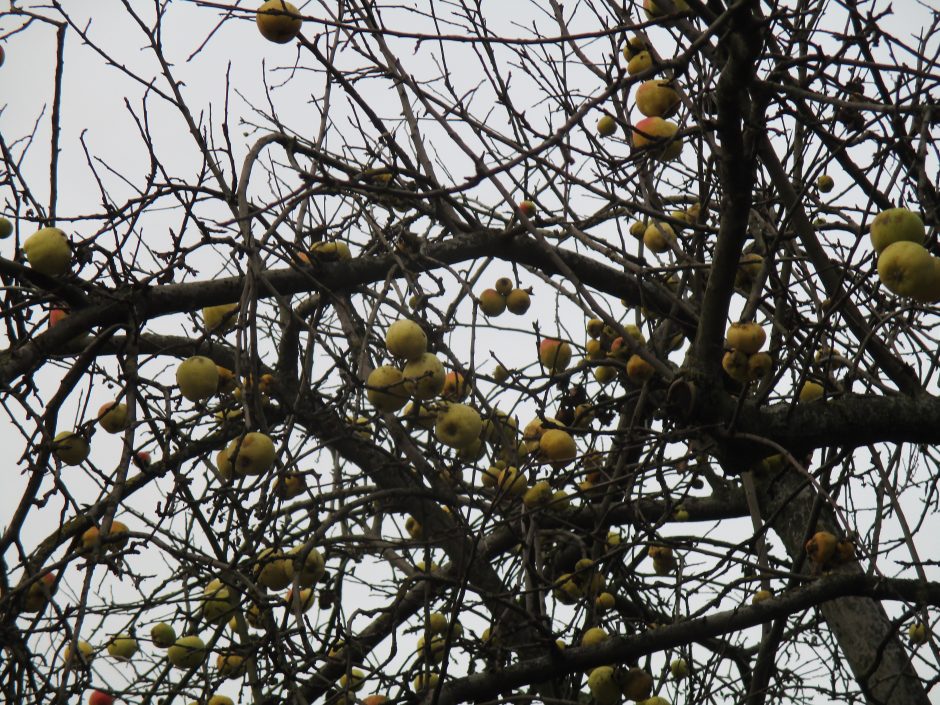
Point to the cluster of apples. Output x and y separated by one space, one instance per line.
905 267
744 362
660 236
504 296
604 343
431 646
422 378
826 551
655 99
610 684
72 447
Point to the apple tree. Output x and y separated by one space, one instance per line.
370 351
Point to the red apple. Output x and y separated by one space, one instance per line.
99 697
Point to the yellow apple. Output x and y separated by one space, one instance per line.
518 301
290 485
48 252
278 21
337 251
821 548
221 318
162 635
734 363
606 126
639 370
39 592
122 647
220 700
424 376
605 374
679 668
84 653
896 225
811 391
458 425
187 652
605 601
431 650
760 596
554 354
197 378
640 63
385 388
557 447
306 566
217 604
825 183
492 303
231 666
271 569
113 417
252 454
302 600
635 683
603 686
758 365
656 98
594 635
511 481
659 237
633 46
917 633
405 339
748 337
660 136
658 8
70 448
906 268
424 682
538 495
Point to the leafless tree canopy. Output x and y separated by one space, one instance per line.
748 515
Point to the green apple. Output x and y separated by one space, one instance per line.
458 425
656 98
896 225
424 376
217 603
6 228
113 417
306 566
162 635
197 378
220 319
122 647
606 126
187 652
603 686
557 447
48 252
385 388
659 237
271 569
252 454
906 268
405 339
70 448
660 136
